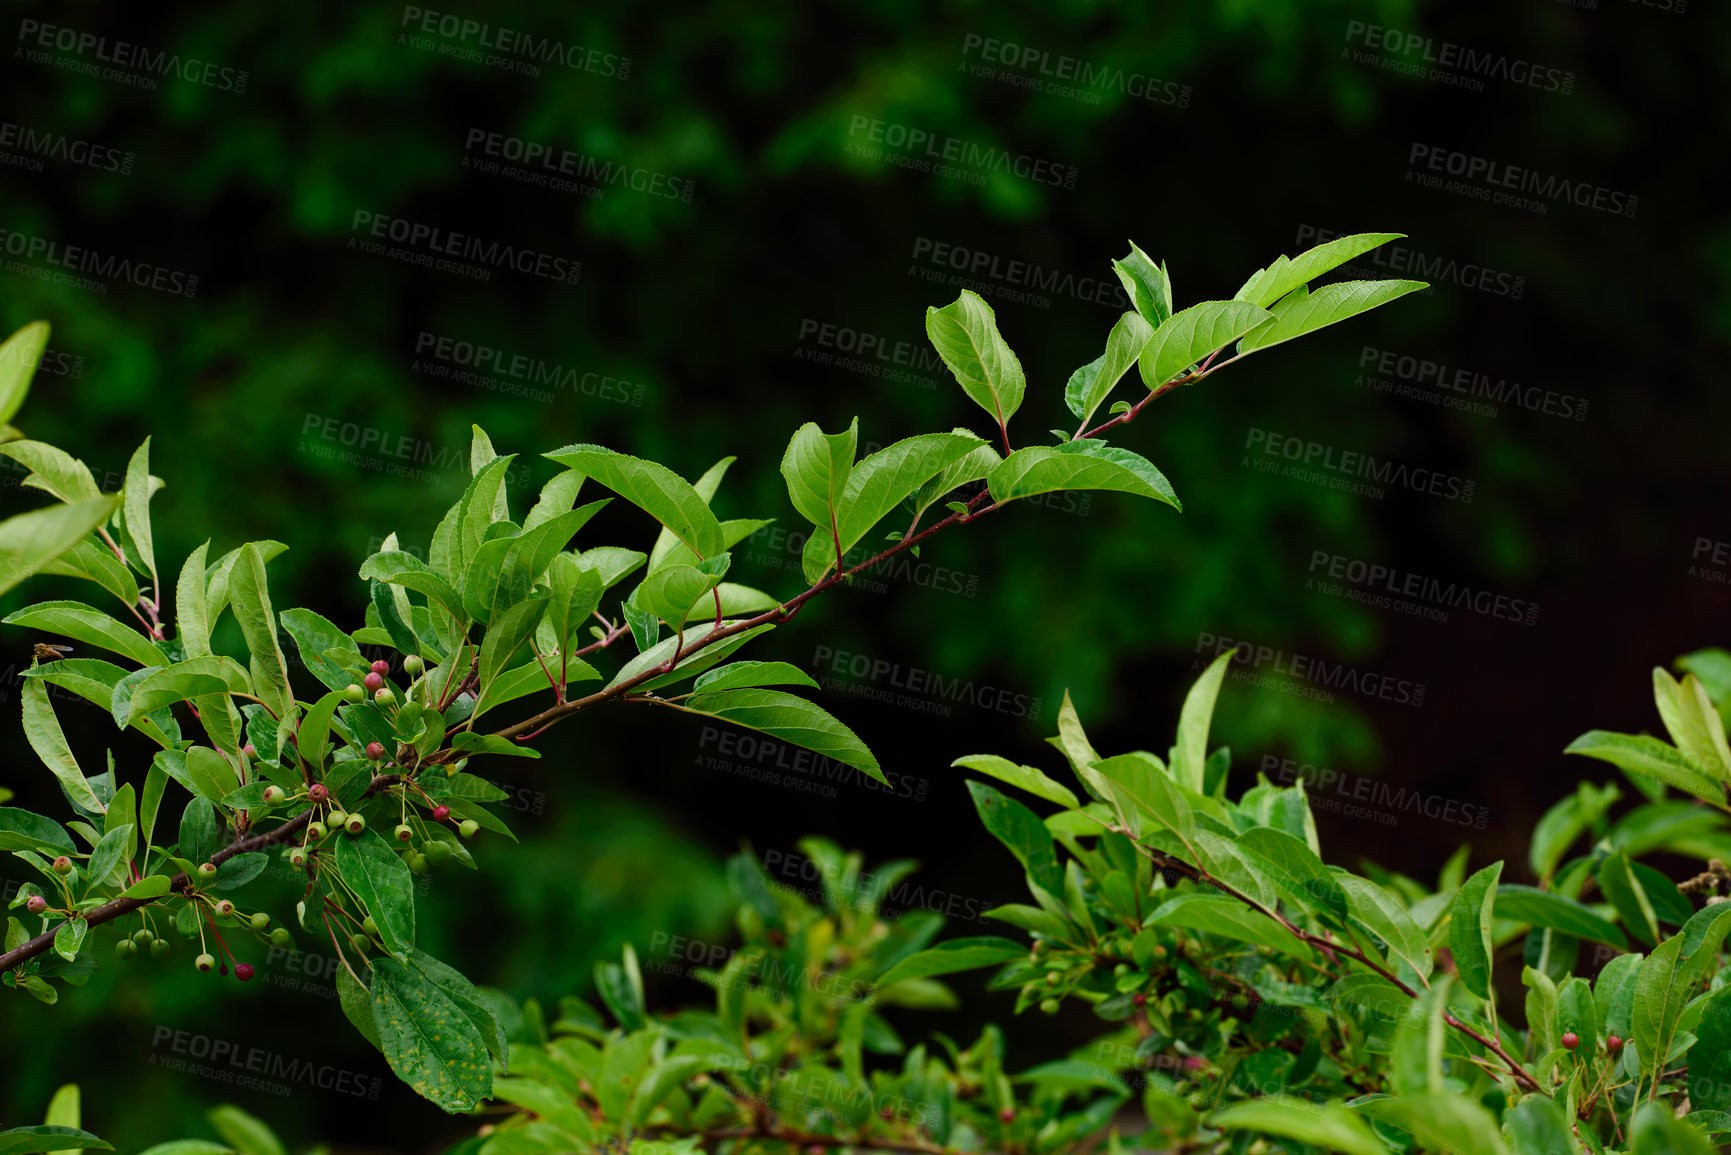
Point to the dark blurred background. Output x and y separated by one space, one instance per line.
748 262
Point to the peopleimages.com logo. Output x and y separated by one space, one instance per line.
944 155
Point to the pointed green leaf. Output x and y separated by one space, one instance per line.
1090 385
384 885
428 1040
1194 721
1300 313
1021 830
136 496
1026 777
965 334
1087 464
1650 758
1269 285
19 357
252 609
29 541
790 718
1470 929
1189 336
960 954
816 467
42 728
1146 284
653 488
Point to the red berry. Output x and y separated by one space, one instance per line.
375 750
243 971
62 864
317 792
373 682
1571 1040
36 904
441 812
249 751
381 667
1139 998
1613 1044
1007 1114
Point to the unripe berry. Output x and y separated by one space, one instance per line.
243 971
375 750
224 907
249 750
373 682
1054 978
383 696
317 793
316 831
418 861
405 833
1121 970
469 828
355 824
261 921
441 812
62 865
1571 1040
368 925
359 942
36 904
140 937
412 665
336 818
159 949
354 693
281 937
273 794
205 962
438 853
381 667
1049 1006
297 858
207 871
125 948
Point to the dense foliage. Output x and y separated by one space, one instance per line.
493 611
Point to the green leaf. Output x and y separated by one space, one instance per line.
471 743
816 467
193 678
154 886
1657 1131
246 1134
1376 910
691 663
1542 908
1141 781
136 511
621 988
1193 722
673 592
53 470
1021 830
1088 464
1625 892
653 488
1536 1126
97 563
400 568
109 855
192 618
1328 1126
1146 284
382 882
971 467
250 596
24 830
83 623
29 541
70 937
1026 777
1648 757
790 718
42 728
315 636
1693 723
1564 822
1452 1123
200 832
1295 870
1090 385
19 357
1659 999
965 334
1266 286
1710 1058
1299 313
961 954
1614 993
878 485
505 636
428 1040
1470 929
1189 336
357 1004
1220 915
34 1140
738 675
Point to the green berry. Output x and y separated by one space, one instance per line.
469 828
438 852
261 921
205 962
359 942
273 794
281 937
62 865
206 872
412 665
224 908
405 833
1049 1006
368 925
418 862
316 831
159 949
355 824
125 948
354 693
1121 970
383 696
140 937
297 857
1054 978
336 818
